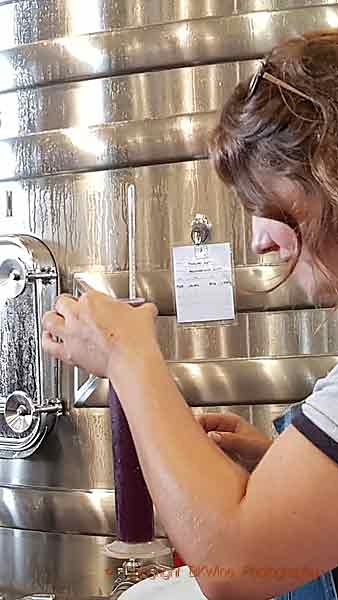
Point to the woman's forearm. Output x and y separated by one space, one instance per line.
191 481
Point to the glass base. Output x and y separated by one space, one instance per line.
155 551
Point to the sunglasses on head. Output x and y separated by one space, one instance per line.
261 74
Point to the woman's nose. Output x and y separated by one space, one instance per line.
262 243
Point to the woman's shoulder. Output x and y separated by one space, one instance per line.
322 405
317 416
331 379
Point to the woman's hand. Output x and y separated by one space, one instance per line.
99 334
236 437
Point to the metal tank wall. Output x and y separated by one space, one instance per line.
94 96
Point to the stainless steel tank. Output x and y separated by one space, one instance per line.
93 97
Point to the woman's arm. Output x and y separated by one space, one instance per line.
247 536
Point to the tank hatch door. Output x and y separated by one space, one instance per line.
29 379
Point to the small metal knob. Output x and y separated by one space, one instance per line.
12 278
19 412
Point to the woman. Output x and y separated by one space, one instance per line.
250 533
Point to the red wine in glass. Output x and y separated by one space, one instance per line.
133 504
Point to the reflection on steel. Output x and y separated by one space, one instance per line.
83 392
182 43
240 381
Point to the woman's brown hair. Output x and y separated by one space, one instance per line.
275 133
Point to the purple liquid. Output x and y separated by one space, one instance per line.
133 504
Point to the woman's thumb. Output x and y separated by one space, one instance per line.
224 440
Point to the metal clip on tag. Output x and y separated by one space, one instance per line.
200 230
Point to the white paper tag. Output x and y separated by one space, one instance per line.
203 283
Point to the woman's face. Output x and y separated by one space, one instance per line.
273 236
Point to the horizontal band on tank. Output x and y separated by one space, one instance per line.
25 22
254 381
159 46
282 380
137 143
254 335
114 99
251 281
59 511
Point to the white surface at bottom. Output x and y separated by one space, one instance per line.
178 584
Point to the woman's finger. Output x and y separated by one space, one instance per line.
52 347
66 295
218 422
151 309
226 441
231 442
56 349
54 324
66 306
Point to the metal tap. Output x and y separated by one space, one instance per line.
133 571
